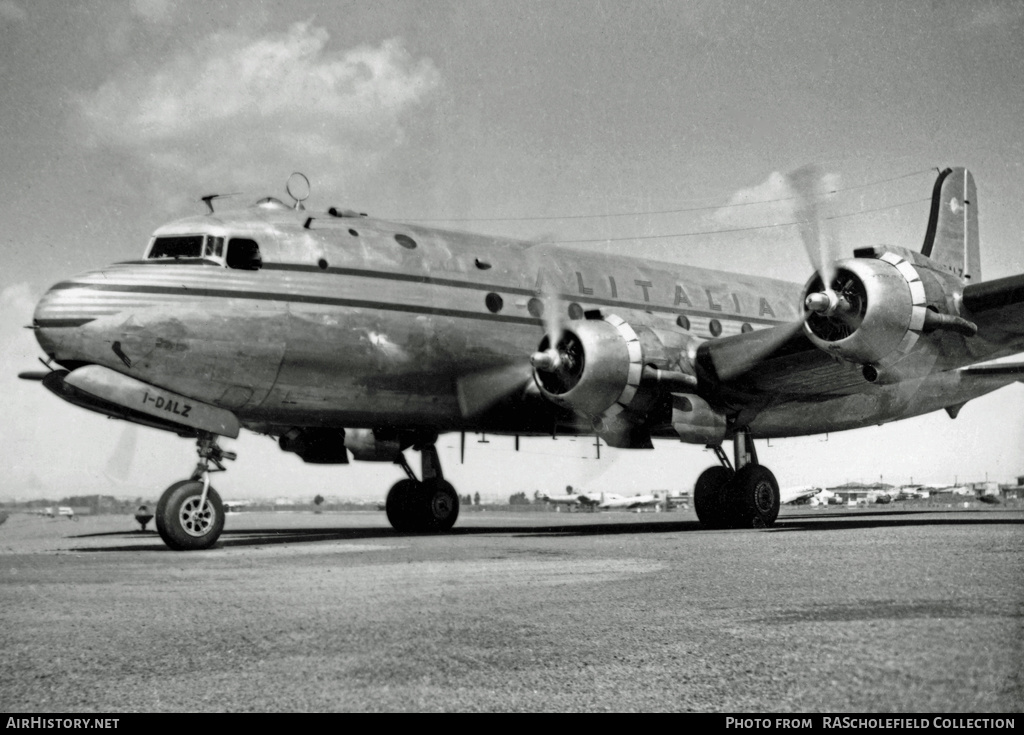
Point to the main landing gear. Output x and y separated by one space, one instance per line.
422 506
744 497
190 514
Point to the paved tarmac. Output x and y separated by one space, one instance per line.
876 610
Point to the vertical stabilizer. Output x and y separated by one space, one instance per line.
952 237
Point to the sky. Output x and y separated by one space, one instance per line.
527 119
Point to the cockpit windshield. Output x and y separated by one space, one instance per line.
182 246
187 246
238 253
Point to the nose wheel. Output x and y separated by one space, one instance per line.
190 514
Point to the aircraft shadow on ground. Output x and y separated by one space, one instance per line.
786 524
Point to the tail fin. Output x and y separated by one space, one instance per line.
952 237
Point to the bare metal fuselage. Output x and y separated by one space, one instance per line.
345 325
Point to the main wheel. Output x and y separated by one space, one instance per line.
442 506
182 523
403 506
416 507
754 497
709 497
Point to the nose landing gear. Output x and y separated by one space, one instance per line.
190 514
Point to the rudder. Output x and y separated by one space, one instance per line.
952 236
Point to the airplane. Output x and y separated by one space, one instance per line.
590 501
825 497
798 495
569 500
610 501
340 334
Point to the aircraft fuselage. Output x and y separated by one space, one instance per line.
357 322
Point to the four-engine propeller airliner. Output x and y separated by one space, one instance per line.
340 334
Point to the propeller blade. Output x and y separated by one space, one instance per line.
741 353
119 466
808 185
625 435
480 391
552 316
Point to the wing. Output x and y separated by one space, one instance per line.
997 307
779 361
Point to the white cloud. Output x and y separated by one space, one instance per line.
771 202
11 11
235 108
16 302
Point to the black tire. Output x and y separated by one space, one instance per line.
416 507
442 506
754 497
709 497
179 521
404 506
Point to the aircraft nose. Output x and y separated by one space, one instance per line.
58 317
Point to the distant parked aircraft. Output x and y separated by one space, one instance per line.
637 502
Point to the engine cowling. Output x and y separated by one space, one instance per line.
596 364
872 312
603 367
331 446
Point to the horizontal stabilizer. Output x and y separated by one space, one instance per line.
998 369
996 294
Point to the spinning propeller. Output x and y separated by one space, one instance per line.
834 301
480 391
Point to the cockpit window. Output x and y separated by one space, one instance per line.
214 247
244 254
238 252
187 246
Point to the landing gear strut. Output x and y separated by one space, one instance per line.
190 514
429 505
744 497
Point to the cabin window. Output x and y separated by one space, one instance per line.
180 246
244 254
494 303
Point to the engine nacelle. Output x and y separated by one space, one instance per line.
316 445
367 445
873 311
696 422
598 365
331 446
